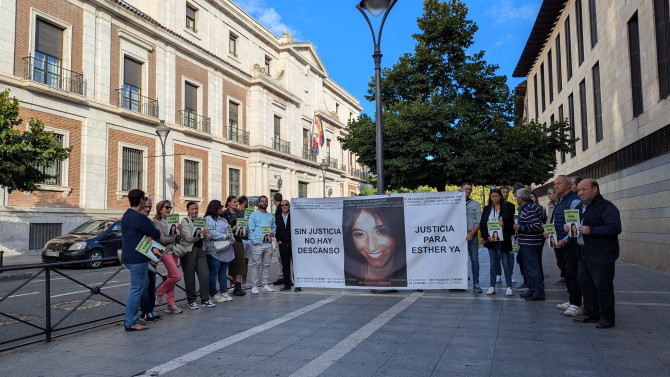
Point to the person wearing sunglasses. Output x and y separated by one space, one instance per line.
169 259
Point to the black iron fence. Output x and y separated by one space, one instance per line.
191 119
50 327
54 75
281 145
236 135
137 103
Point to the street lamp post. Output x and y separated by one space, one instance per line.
376 8
324 166
162 131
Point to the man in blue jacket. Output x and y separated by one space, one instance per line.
134 226
598 250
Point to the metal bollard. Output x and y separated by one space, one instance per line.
2 252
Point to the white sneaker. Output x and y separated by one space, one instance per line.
266 288
563 306
254 290
247 286
513 280
491 291
573 311
219 298
497 278
225 297
509 292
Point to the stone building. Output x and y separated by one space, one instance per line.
239 101
605 67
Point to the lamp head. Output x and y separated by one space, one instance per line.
375 7
324 165
162 131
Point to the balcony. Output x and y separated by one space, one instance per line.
189 118
53 75
332 162
134 102
281 145
358 173
236 135
308 154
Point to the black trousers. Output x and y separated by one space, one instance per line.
572 272
560 261
597 282
286 258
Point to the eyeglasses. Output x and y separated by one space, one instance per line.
285 205
167 207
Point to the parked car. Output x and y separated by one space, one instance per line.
94 239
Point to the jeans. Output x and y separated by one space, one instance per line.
217 271
531 265
138 278
262 255
173 277
148 299
473 252
498 257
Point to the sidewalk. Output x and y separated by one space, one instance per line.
356 333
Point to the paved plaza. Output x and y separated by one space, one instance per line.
320 332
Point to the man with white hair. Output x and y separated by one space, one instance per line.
531 241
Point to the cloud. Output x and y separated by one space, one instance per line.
267 16
504 39
507 11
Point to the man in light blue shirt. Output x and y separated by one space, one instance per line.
262 245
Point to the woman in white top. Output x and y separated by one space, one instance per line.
218 260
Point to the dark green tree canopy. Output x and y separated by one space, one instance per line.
447 114
21 154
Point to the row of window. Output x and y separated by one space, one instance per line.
593 25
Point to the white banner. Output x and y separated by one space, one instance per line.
402 241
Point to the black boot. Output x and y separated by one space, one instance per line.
238 291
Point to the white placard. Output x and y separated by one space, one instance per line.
402 241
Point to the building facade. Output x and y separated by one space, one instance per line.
605 67
240 103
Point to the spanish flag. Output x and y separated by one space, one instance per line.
317 132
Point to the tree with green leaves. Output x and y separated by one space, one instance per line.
22 154
447 114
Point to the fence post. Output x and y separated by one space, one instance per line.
2 252
47 279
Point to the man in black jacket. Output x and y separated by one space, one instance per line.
283 235
598 244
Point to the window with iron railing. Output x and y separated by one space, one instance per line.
55 169
191 175
234 182
132 166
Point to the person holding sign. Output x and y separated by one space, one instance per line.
169 259
195 261
473 215
243 205
598 251
565 250
261 223
218 260
134 227
531 242
374 243
497 216
284 242
234 217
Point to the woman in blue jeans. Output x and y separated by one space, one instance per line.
499 251
217 261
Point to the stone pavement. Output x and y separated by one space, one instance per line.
359 333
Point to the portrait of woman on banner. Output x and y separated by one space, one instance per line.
374 243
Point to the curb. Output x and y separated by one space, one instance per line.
15 276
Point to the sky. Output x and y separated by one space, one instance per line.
343 39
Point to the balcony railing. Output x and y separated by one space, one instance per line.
189 118
53 75
308 154
358 173
237 135
137 103
281 145
343 167
332 162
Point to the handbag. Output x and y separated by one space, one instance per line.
220 245
179 250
